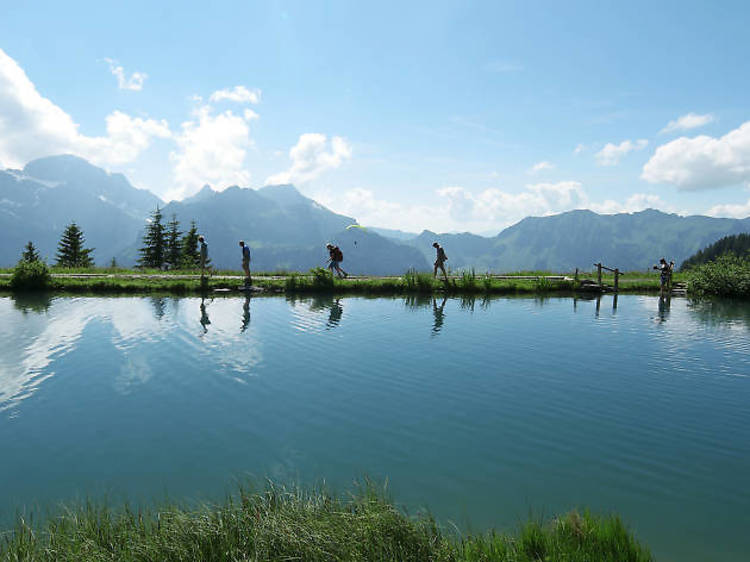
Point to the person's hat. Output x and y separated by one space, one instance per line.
329 245
242 242
663 260
435 244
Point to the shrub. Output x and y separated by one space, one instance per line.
728 276
321 278
30 275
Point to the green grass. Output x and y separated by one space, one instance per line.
321 281
280 523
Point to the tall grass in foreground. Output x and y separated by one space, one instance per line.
417 282
290 524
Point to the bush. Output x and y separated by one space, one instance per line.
321 278
728 276
30 275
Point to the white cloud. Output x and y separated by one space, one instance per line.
211 149
134 83
687 122
310 159
540 166
633 204
735 211
239 94
455 208
31 126
611 154
579 148
702 162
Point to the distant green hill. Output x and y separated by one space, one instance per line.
739 245
578 239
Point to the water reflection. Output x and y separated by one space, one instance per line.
32 302
438 315
205 321
721 312
245 314
665 304
160 306
334 317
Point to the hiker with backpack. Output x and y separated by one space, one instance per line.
441 258
246 263
336 256
665 278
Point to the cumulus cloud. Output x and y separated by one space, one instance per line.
633 204
32 126
687 122
735 211
239 94
211 148
541 166
456 208
611 154
580 147
310 158
134 83
702 162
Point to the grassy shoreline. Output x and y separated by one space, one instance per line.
280 523
106 281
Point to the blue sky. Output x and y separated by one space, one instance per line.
440 115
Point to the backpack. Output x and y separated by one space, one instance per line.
338 255
246 252
441 255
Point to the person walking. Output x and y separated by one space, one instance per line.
336 256
204 255
440 260
246 263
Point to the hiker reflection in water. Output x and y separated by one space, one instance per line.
437 312
664 304
245 314
334 317
204 315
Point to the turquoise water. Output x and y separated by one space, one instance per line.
483 411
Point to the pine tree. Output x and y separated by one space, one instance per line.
191 257
154 243
30 253
70 250
173 244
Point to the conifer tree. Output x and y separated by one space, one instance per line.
70 250
30 253
173 244
154 243
191 257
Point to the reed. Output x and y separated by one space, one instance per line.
289 523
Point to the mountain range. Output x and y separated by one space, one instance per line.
286 230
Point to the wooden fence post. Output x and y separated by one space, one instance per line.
617 277
599 273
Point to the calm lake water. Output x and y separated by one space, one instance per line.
482 411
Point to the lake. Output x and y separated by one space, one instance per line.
483 411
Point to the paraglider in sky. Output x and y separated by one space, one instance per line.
359 226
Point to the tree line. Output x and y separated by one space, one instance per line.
164 246
738 245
